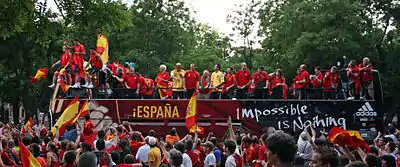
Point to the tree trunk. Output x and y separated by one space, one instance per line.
15 110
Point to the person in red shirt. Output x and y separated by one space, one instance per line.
355 82
66 63
136 142
79 52
149 87
132 83
330 83
278 82
261 81
243 78
366 77
162 82
97 63
296 87
230 83
204 91
194 156
191 81
142 89
316 81
304 82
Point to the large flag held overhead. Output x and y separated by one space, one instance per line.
357 139
102 47
27 158
67 116
342 138
41 73
191 116
28 126
84 111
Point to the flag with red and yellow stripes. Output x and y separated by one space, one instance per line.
67 116
27 158
191 116
41 73
64 87
84 111
27 127
102 47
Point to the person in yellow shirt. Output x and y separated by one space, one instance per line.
154 156
177 78
217 80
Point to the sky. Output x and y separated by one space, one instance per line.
211 12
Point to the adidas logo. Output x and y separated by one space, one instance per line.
366 110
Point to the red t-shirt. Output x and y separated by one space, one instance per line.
162 75
230 79
201 152
304 75
366 74
7 159
149 85
42 161
142 85
194 156
330 79
260 79
61 154
88 127
243 77
95 61
65 58
78 58
251 154
135 146
276 80
132 81
315 83
355 70
297 78
191 79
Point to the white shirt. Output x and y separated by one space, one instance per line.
305 149
143 153
210 160
230 161
187 162
107 143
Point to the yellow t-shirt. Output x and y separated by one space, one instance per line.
216 79
154 156
178 82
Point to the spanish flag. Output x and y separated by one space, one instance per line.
27 127
191 116
102 47
27 158
64 87
357 139
84 111
341 137
162 89
67 116
41 73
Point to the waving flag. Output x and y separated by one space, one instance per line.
64 87
102 47
67 116
357 139
84 111
28 126
191 116
341 137
27 158
41 73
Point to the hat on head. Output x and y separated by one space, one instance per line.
178 64
152 141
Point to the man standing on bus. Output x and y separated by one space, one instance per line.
191 81
354 75
177 76
217 80
261 80
366 77
230 83
316 81
79 52
304 82
330 83
162 82
243 78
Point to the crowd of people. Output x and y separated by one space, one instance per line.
121 146
122 81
